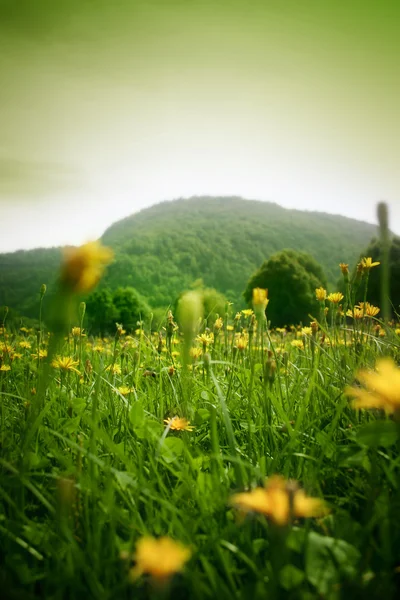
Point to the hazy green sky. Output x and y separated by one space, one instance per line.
108 106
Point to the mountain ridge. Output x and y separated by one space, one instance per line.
163 249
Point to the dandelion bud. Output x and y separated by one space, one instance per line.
65 495
190 310
43 289
344 267
383 216
207 361
120 329
269 370
160 343
260 301
227 306
170 325
82 310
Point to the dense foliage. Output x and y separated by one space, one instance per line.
107 441
291 279
165 248
374 284
125 306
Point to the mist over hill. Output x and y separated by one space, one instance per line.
163 249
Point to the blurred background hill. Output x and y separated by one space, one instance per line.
164 249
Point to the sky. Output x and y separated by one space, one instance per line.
109 107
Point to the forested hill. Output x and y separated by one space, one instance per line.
163 249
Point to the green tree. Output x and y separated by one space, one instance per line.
101 312
291 279
131 307
374 250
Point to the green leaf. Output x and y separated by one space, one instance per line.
202 415
290 577
125 479
327 561
79 405
296 539
136 415
171 449
378 433
245 425
350 457
328 447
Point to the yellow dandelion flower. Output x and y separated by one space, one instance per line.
98 348
306 330
175 353
280 500
179 424
368 309
25 345
230 328
297 344
6 348
242 342
381 388
40 355
320 294
205 338
368 264
219 323
356 313
161 558
65 363
5 368
23 329
125 390
76 332
115 369
247 312
335 297
83 267
195 353
344 268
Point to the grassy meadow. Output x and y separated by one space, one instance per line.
234 461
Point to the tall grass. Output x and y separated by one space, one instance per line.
88 465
